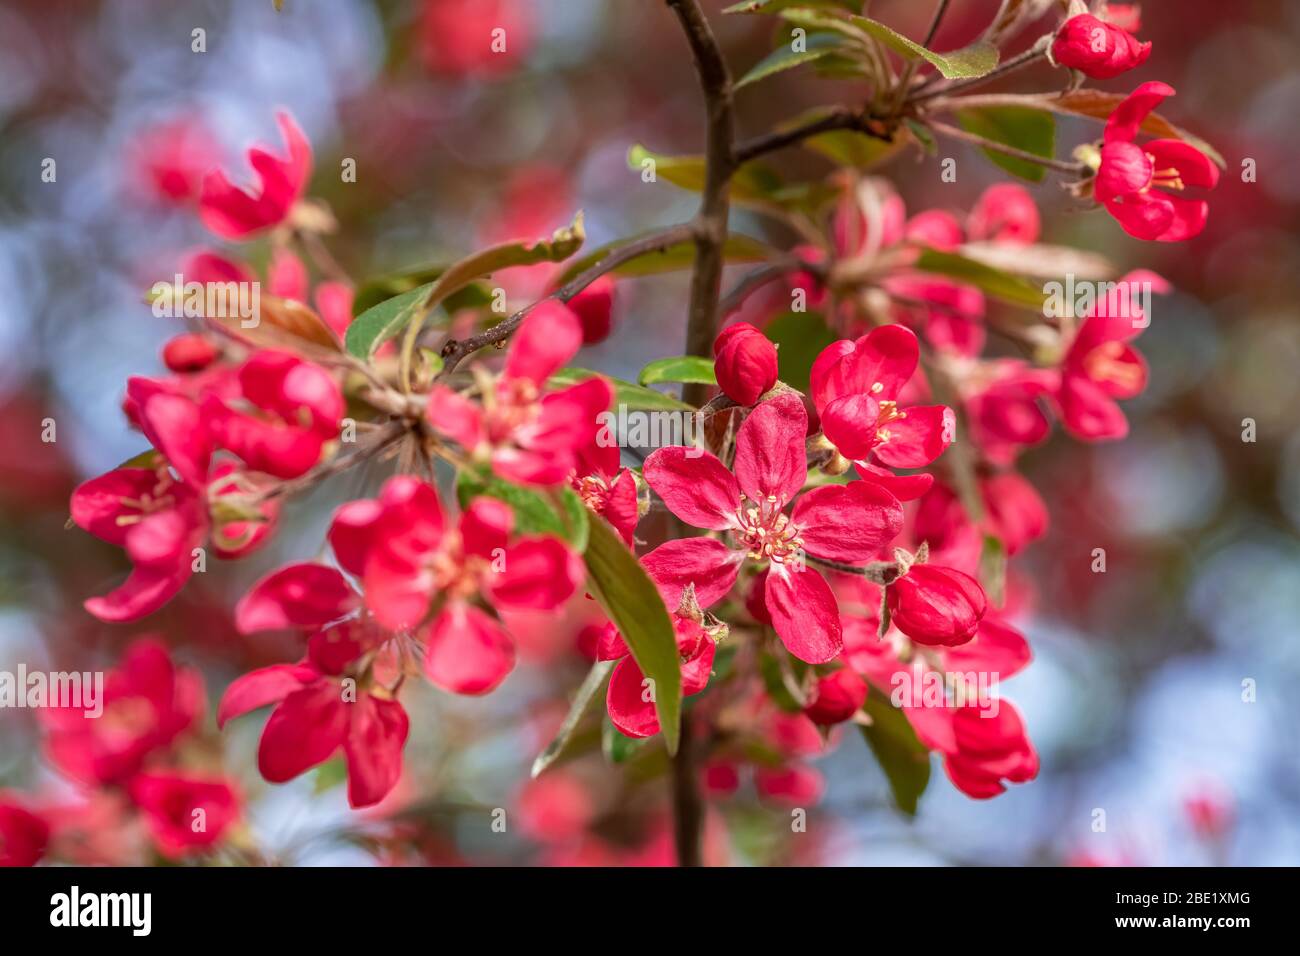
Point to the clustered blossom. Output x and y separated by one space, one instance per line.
837 549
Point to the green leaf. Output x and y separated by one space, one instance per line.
754 183
900 754
1033 131
799 337
999 285
968 62
673 258
785 57
535 513
631 600
381 322
375 291
993 568
680 368
592 689
635 397
617 747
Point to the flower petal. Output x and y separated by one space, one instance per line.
708 564
849 522
539 573
548 337
261 687
770 457
466 651
305 730
805 614
917 437
373 746
694 485
304 596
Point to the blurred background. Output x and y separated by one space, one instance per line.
1135 699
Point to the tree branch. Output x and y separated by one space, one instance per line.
711 220
838 118
1059 165
455 351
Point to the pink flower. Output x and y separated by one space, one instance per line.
233 212
605 488
594 307
1004 213
855 387
526 434
745 363
171 157
847 523
1141 185
23 834
1096 48
555 807
148 702
415 567
991 746
318 713
836 697
184 813
1004 408
294 408
457 36
629 700
189 352
935 605
157 520
1101 366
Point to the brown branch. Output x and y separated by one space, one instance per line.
1020 61
835 119
711 220
455 351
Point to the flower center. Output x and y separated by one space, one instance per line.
511 405
888 413
1167 178
593 491
156 500
1105 364
455 573
765 531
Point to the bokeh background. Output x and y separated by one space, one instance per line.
1135 700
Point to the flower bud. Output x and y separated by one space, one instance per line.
934 605
189 352
1096 48
836 697
745 363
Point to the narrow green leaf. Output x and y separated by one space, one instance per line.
592 690
535 513
993 568
1033 131
901 755
799 337
617 580
616 747
680 368
785 57
968 62
381 322
677 257
1000 285
635 397
375 291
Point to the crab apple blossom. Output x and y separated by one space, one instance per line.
855 388
840 522
1096 48
1004 213
171 157
23 834
423 575
1100 366
1142 185
235 212
936 605
148 702
745 363
525 433
629 700
606 488
321 707
992 746
836 697
185 813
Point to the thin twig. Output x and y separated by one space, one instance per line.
835 119
454 351
711 220
1020 61
989 144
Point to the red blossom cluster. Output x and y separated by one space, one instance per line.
834 518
